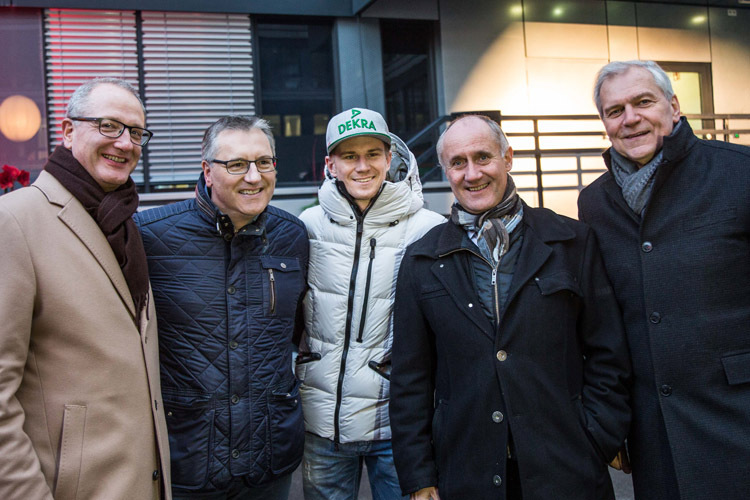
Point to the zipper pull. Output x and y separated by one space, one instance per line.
272 279
372 248
494 276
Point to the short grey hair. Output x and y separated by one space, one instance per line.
234 122
79 99
619 67
497 132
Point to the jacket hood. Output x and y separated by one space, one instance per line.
400 196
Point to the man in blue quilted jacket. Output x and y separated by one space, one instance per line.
228 273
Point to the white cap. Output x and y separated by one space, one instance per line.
356 122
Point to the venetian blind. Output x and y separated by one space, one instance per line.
198 68
81 45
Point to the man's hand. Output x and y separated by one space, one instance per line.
430 493
622 461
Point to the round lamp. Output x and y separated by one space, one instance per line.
19 118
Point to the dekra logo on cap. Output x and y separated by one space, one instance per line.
356 123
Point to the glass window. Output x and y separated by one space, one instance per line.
296 84
23 116
409 90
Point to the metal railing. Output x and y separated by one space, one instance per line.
532 138
537 133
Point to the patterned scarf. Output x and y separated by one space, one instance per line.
491 229
113 212
636 183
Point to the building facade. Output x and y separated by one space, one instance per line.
298 63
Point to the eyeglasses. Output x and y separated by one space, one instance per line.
114 129
241 167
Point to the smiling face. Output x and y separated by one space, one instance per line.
361 163
475 165
241 197
636 114
109 161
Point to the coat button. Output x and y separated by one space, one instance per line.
235 453
655 318
666 390
283 266
231 290
471 305
502 355
155 475
233 344
497 417
235 399
497 480
647 246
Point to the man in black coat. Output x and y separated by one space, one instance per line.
509 358
672 216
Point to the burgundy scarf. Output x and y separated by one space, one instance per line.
113 212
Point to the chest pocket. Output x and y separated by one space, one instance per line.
558 282
282 285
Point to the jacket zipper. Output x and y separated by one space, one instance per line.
367 291
273 291
347 331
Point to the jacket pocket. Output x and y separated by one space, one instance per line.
282 285
442 455
578 402
709 219
71 452
190 422
558 282
737 368
286 437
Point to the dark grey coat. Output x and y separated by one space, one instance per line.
555 370
682 277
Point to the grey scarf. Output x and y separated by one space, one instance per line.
636 183
490 230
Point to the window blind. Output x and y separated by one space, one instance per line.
198 68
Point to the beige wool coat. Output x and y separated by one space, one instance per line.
80 400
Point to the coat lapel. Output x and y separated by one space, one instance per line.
73 215
539 229
453 271
455 279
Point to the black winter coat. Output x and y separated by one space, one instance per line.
227 307
682 277
554 371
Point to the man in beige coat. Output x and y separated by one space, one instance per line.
80 401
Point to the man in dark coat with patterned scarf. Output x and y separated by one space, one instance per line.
672 216
509 358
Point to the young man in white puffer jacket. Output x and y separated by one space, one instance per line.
371 209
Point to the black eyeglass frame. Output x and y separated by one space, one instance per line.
254 162
146 134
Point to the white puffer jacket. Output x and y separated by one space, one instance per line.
344 398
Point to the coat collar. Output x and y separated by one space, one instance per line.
675 148
78 220
541 227
546 227
224 226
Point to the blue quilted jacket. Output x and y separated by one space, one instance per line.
227 307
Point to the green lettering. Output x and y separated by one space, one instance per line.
349 125
355 123
342 128
372 126
364 123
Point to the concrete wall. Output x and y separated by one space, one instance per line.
496 56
